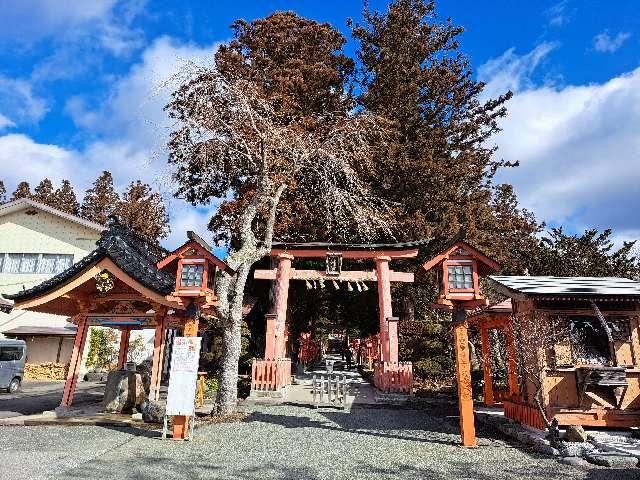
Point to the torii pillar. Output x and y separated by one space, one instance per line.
388 330
275 336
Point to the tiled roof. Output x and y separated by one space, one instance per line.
68 331
5 305
576 287
128 251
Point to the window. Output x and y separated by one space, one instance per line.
460 276
10 353
211 277
44 263
191 275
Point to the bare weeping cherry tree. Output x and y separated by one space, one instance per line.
229 142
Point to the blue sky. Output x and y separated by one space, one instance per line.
82 88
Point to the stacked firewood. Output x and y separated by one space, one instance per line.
45 371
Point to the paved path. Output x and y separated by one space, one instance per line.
35 397
284 442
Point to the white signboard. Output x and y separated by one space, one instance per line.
185 357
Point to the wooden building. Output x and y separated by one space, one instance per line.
572 345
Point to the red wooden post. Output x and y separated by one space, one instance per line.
282 295
271 342
158 355
512 367
486 363
181 422
76 361
384 302
392 332
463 373
124 346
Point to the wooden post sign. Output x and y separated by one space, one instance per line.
184 376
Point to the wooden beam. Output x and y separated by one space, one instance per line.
348 276
463 374
353 254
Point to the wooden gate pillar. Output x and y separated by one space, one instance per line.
271 341
76 361
158 355
280 308
124 346
384 302
463 374
486 365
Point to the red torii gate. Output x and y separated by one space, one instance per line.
273 372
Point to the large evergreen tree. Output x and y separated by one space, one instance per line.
43 192
101 200
23 190
143 210
64 198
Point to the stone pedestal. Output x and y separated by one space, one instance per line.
123 392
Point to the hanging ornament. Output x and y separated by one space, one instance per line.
335 285
321 282
349 287
364 287
309 287
359 287
104 281
313 282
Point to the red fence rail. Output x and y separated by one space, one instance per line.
270 375
393 377
524 414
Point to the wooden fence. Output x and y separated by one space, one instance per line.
270 375
393 377
524 414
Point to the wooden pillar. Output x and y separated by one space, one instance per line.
76 361
486 364
181 422
463 374
512 367
271 346
158 355
124 346
282 296
392 335
384 302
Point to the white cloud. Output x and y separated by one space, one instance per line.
558 14
605 43
18 101
127 133
578 146
510 71
5 122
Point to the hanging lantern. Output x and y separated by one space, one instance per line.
104 281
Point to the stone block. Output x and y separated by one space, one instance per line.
612 459
575 433
123 392
152 411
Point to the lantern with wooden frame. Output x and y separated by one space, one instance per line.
196 269
458 269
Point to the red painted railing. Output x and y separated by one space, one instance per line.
393 377
524 414
270 375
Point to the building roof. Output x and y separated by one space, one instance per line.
68 331
566 287
25 203
5 305
124 248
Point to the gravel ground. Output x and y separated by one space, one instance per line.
283 442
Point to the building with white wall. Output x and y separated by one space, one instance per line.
37 242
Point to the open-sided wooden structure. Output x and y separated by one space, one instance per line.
575 338
458 267
123 284
274 371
